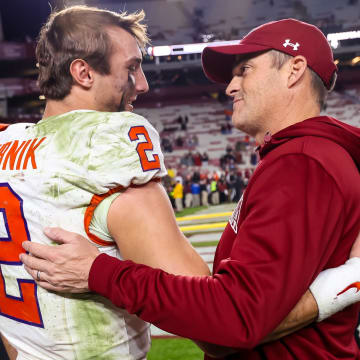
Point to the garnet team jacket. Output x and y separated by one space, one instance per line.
299 215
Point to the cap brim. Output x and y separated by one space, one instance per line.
218 61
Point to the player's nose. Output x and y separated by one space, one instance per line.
141 84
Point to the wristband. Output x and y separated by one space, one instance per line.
337 288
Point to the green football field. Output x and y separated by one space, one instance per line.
174 349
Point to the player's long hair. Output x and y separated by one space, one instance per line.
80 32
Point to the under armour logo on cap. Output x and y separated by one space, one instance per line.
294 46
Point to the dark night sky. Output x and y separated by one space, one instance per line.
23 17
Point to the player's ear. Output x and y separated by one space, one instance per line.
82 73
297 68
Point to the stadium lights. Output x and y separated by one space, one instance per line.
166 50
182 49
355 60
159 50
334 38
185 48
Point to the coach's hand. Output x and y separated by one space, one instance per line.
63 268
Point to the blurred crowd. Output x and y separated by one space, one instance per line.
199 187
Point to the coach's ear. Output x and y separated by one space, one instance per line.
297 68
82 73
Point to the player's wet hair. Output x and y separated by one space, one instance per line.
80 32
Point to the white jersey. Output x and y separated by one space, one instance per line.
55 173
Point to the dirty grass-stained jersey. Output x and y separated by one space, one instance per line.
55 173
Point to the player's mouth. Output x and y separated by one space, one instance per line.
129 106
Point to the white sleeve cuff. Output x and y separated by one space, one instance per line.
337 288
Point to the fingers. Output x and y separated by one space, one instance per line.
62 268
43 276
33 273
35 263
47 285
52 287
38 250
59 289
45 281
60 235
32 265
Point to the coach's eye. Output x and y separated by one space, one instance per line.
243 69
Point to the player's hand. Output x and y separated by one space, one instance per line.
355 250
62 268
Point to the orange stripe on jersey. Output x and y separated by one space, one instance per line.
3 126
89 213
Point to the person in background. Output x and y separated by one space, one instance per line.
214 192
195 191
178 194
223 190
187 193
203 191
205 159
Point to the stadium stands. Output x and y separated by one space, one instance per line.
175 21
206 118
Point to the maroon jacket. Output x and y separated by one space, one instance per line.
299 215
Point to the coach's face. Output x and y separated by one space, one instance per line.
256 91
117 90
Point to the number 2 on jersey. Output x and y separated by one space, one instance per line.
144 146
23 308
